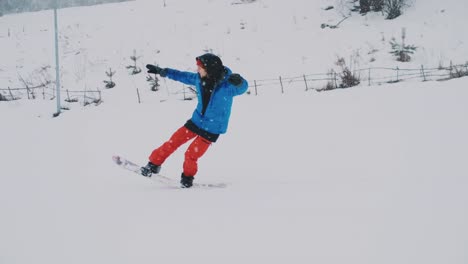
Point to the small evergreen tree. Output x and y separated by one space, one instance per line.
402 51
135 69
154 82
110 83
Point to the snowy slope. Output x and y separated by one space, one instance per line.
363 175
372 175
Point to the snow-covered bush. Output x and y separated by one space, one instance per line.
370 5
391 8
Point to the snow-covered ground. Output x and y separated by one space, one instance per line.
363 175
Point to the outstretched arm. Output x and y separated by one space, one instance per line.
188 78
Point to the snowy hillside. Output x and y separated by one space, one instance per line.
372 174
265 39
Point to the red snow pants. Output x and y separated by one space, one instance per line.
196 149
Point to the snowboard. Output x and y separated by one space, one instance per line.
170 182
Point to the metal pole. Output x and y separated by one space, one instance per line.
57 65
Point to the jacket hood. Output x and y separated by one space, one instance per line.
213 65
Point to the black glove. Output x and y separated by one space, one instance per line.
235 79
156 70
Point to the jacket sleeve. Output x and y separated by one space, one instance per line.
188 78
239 89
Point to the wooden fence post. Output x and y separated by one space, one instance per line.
451 70
397 74
305 80
255 84
68 96
281 82
335 80
11 94
84 98
138 94
422 72
369 77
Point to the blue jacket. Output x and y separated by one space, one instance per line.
216 117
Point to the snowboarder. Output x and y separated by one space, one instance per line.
216 86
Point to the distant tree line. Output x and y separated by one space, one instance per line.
19 6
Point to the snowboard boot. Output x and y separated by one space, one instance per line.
186 181
149 169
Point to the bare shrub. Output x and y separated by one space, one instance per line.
348 78
458 71
331 82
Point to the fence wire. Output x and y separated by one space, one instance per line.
313 81
366 76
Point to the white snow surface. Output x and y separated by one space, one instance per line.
366 175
